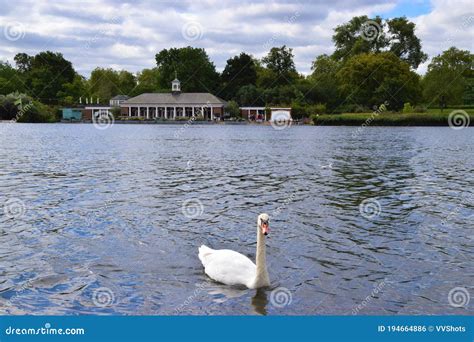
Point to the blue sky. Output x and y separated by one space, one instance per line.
126 35
408 8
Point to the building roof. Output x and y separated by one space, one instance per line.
175 99
120 97
260 108
96 106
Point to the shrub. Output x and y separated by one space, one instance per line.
407 108
233 109
319 108
419 109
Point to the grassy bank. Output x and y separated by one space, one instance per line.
433 117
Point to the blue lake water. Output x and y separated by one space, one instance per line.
109 221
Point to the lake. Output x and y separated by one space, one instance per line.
377 221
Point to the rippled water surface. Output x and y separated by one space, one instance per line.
93 219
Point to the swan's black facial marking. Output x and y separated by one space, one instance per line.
265 226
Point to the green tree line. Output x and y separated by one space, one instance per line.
373 63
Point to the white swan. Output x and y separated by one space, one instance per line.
232 268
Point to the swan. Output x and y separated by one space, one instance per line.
232 268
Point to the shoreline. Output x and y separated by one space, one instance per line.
433 119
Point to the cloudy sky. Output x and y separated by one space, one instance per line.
127 35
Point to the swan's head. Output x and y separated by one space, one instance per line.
264 223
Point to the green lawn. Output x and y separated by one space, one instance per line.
433 117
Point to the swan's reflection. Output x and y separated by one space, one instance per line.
221 294
260 301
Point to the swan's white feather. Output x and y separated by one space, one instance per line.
227 266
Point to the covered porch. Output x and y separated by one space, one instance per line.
205 112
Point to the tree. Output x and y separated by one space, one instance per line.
404 43
371 79
449 76
325 69
10 79
74 90
280 62
127 82
238 72
147 81
359 35
364 35
192 67
23 62
45 74
107 83
249 95
233 109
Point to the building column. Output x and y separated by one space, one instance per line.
212 113
202 112
129 111
147 112
193 111
166 112
184 112
174 113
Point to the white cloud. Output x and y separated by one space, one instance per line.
109 32
445 26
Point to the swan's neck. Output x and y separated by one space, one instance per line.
261 278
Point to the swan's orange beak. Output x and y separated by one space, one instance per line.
265 228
